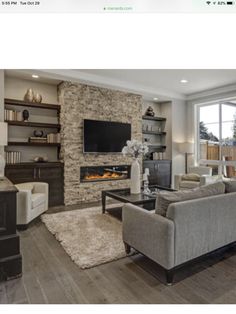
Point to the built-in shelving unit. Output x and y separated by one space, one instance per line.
154 134
11 104
24 147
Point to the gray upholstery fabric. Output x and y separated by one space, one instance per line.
203 225
191 177
189 184
230 186
165 199
150 234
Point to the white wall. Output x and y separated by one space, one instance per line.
179 134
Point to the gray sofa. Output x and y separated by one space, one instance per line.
190 229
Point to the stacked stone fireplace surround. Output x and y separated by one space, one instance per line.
79 102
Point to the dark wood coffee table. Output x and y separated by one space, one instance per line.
124 196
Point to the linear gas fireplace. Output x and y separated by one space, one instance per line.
104 173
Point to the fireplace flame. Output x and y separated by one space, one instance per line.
106 175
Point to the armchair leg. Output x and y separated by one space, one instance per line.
169 277
127 248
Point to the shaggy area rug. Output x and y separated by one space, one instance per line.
89 237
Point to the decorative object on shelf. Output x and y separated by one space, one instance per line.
146 189
41 159
38 133
36 139
13 157
150 112
3 142
12 115
37 98
135 149
25 115
29 96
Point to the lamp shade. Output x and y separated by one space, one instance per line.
186 147
3 134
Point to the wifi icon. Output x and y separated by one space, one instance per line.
208 2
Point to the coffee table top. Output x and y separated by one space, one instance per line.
125 196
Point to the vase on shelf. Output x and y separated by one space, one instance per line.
29 96
135 187
37 98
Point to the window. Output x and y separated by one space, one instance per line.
216 137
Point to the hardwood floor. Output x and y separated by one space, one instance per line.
49 276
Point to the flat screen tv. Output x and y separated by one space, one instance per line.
105 136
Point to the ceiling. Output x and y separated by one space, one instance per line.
198 80
164 84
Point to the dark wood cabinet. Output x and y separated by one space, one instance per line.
51 173
10 257
160 172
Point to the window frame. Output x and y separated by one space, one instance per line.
220 163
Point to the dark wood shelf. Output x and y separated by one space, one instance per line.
156 146
153 118
154 133
33 144
34 124
31 104
34 164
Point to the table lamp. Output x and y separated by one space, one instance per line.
3 142
186 148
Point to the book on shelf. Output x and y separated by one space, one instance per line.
54 138
12 115
34 139
12 157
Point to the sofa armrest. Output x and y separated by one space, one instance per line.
149 233
23 206
207 179
202 225
40 187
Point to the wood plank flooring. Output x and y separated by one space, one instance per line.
49 276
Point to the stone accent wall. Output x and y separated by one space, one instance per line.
78 102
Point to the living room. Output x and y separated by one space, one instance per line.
72 239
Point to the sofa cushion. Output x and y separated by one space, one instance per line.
165 199
230 186
188 184
191 177
37 199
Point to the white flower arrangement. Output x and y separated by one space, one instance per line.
135 149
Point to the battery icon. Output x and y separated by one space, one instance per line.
230 2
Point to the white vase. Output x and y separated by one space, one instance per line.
135 177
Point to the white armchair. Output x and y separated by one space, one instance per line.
32 201
203 177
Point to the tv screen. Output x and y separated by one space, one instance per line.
105 136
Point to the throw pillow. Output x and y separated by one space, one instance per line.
230 186
165 199
191 177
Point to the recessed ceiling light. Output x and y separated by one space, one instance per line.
155 99
35 76
184 81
